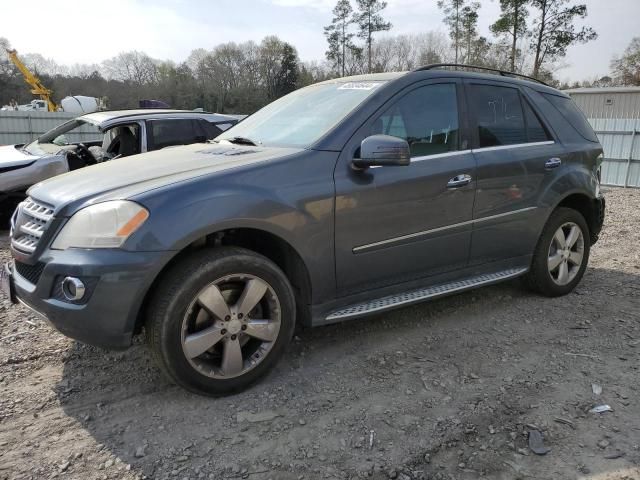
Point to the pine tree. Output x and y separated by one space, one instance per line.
288 76
512 23
469 30
370 21
554 30
453 19
338 35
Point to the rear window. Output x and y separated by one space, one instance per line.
573 115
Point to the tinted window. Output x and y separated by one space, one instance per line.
498 114
210 131
225 126
535 130
166 133
426 117
573 115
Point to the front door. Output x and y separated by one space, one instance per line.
396 224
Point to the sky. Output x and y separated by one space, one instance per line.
87 31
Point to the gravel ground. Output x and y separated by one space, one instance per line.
444 390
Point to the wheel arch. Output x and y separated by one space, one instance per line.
587 206
263 242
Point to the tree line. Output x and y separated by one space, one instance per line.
529 36
520 45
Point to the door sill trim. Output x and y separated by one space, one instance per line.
416 296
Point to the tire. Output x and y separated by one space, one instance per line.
234 299
547 275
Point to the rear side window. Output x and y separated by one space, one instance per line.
167 133
535 130
499 116
573 115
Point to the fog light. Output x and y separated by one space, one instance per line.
73 289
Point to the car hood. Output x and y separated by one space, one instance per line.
126 177
11 156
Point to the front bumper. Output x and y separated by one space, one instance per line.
118 280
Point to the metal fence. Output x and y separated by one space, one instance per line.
619 138
22 127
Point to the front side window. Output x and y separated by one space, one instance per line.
499 116
427 118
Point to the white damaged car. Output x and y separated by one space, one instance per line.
95 138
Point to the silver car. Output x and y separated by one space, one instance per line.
99 137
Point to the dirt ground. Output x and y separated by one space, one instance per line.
444 390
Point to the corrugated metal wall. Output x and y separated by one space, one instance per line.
620 139
615 117
608 105
22 127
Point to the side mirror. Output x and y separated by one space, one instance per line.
383 151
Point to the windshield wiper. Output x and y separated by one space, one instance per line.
241 141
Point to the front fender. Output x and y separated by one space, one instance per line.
293 200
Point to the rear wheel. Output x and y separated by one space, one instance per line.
220 320
562 254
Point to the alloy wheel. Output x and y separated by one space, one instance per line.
566 253
231 325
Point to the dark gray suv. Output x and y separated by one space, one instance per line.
341 200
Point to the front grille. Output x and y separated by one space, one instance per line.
30 222
30 272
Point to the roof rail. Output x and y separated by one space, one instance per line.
504 73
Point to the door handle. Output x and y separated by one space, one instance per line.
552 163
459 181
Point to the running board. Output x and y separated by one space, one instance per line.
416 296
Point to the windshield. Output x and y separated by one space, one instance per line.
71 132
302 117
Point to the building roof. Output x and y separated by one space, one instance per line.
603 90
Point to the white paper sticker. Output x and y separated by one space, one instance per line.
358 86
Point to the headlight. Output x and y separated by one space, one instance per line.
103 225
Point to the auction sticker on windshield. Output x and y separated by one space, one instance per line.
359 86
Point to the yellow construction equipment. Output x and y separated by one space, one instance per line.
37 88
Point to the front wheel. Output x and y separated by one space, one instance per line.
562 254
220 320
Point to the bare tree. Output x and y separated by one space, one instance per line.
135 67
627 68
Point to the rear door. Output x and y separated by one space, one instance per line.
516 156
396 224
